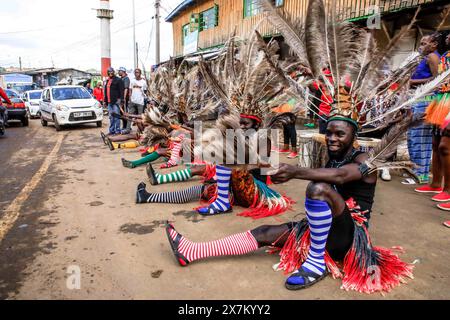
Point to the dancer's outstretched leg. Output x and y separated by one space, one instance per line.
222 203
177 176
150 158
174 157
183 196
187 251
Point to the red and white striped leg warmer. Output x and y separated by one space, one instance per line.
238 244
174 157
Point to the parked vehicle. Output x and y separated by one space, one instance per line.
17 82
66 105
16 111
32 99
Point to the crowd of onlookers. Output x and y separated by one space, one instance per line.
121 95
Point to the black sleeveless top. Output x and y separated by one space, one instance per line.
362 192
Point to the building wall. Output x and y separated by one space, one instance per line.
231 18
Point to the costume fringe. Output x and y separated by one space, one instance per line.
296 248
210 172
365 269
370 269
266 202
438 110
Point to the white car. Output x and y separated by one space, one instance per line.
66 105
32 99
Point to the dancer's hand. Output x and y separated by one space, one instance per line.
283 174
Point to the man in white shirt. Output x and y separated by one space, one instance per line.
138 88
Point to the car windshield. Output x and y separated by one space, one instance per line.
70 93
23 87
35 95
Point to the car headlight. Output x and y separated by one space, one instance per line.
98 105
61 107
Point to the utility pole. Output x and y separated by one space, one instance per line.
105 14
134 36
20 63
158 35
137 55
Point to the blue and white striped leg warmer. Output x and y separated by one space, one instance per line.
222 203
319 220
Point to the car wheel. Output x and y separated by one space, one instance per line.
25 121
57 125
38 114
99 124
44 122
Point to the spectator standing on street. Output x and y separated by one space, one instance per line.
113 98
420 138
137 95
89 89
126 96
98 92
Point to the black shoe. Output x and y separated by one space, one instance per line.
109 144
103 137
151 175
141 194
127 164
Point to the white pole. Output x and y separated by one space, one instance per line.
134 35
158 36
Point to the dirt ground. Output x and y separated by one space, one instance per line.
82 212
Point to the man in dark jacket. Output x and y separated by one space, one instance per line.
113 96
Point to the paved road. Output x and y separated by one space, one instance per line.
66 201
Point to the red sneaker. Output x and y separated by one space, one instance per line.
283 151
444 206
447 224
428 189
442 197
292 155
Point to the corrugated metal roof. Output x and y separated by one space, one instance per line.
181 7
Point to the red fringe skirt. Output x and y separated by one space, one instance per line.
366 269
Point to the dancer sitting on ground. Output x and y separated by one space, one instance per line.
161 137
338 202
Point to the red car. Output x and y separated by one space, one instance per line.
16 111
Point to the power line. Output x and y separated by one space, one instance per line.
150 41
41 29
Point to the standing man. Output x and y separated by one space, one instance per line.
113 95
420 138
126 95
89 89
137 95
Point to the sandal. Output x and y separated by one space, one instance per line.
151 175
127 164
174 245
213 211
109 144
103 137
409 181
309 278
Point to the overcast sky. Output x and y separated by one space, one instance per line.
65 33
